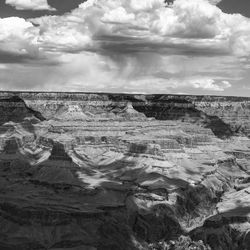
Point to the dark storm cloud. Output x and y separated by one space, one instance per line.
6 57
126 45
28 59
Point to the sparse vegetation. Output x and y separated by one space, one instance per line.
183 243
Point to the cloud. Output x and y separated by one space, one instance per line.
207 84
215 1
17 37
131 45
188 19
195 26
175 84
118 15
30 5
19 43
85 72
147 5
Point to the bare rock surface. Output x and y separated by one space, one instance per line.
107 171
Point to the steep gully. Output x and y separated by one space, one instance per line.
108 171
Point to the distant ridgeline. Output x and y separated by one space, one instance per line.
223 115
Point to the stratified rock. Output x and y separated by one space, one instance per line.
71 113
108 171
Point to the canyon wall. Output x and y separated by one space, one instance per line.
116 171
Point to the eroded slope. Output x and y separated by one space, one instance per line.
121 172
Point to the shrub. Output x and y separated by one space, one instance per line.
183 243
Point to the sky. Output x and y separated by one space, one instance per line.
131 46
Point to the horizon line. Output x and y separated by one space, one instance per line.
117 93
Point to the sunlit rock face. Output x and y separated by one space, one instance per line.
109 171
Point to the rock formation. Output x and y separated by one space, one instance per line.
107 171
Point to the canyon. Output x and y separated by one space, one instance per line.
101 171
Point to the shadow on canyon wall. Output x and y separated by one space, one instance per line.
50 206
157 106
14 109
182 110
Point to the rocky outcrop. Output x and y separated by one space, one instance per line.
102 171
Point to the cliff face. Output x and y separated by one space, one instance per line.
223 115
109 171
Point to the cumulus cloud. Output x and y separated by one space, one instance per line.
30 4
118 15
152 25
135 43
175 84
208 84
17 37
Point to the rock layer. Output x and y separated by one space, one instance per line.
108 171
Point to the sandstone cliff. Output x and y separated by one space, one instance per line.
108 171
